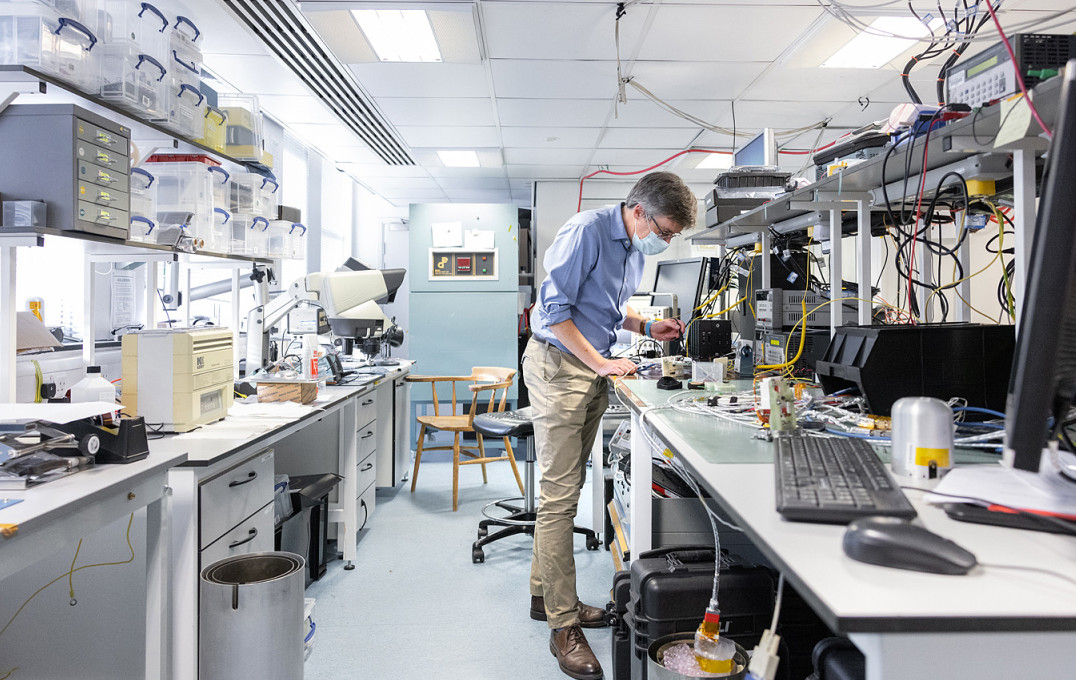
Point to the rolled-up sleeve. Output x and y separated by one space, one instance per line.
569 259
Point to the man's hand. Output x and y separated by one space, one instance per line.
616 367
667 329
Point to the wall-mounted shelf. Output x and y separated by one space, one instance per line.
23 237
28 76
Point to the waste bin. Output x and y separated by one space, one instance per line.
251 621
306 530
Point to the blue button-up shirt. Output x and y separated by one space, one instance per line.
592 270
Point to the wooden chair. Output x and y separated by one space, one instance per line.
484 379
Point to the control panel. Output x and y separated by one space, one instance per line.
455 264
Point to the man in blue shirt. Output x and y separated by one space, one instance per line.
593 266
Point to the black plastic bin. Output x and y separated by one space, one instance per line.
306 531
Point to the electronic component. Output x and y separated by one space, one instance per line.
779 347
178 379
708 339
990 74
834 480
467 265
308 320
778 404
651 314
777 309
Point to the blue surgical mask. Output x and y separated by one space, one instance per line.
649 245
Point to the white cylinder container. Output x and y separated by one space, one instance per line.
922 437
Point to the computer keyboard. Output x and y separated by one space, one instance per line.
834 480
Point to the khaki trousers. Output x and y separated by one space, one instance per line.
568 400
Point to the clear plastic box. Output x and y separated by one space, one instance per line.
254 193
185 108
24 213
140 24
186 51
297 242
219 240
248 234
222 187
143 194
185 188
143 229
278 239
133 80
214 129
244 126
56 43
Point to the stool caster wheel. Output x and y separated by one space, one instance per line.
477 556
483 532
593 543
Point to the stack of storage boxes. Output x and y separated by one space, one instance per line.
143 206
185 198
133 72
254 203
244 126
55 38
186 104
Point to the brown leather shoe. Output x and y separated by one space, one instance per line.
573 653
589 617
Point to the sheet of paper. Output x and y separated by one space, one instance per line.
446 234
1005 486
234 431
1015 119
31 333
55 413
123 299
479 239
274 409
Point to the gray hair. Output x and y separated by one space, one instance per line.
664 194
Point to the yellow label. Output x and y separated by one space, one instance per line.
924 456
82 190
775 343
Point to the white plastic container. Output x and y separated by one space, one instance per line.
143 229
185 108
93 387
255 194
222 187
143 205
219 240
140 24
186 51
278 242
133 81
57 43
248 234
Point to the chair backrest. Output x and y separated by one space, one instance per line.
490 379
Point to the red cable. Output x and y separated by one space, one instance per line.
1016 69
579 205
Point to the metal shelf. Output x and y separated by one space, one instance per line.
23 237
22 74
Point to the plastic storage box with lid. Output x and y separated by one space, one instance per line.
244 127
143 205
219 241
255 194
139 24
56 42
296 248
278 239
184 108
214 129
186 50
248 234
133 80
185 195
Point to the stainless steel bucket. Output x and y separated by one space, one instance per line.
656 670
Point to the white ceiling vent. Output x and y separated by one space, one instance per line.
285 31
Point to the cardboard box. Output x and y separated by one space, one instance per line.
302 391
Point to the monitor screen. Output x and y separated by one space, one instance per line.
684 279
759 150
1043 380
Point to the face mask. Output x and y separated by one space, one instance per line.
650 245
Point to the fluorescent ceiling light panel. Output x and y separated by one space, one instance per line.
459 159
868 50
399 34
715 161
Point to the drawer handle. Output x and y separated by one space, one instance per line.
367 402
367 435
250 537
368 466
250 478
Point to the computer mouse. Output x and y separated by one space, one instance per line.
897 543
667 382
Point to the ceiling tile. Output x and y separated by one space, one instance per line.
292 109
520 156
480 196
450 137
549 30
445 111
648 138
422 80
694 33
255 75
546 112
441 172
484 183
425 195
383 170
545 171
695 80
539 79
392 183
640 112
817 84
341 34
550 137
637 158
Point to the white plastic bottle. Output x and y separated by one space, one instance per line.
93 387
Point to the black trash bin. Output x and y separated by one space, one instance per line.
306 531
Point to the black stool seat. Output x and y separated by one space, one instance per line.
520 520
505 423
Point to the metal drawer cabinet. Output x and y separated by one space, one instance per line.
234 495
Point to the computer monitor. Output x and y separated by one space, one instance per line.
685 279
759 150
1043 381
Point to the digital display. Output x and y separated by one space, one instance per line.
979 68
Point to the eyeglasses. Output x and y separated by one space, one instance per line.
666 236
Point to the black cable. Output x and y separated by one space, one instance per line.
1065 526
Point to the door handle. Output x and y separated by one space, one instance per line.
250 537
250 478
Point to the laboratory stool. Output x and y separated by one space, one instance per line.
520 520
